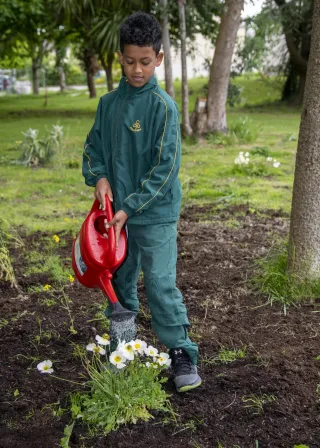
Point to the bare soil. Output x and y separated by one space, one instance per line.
216 259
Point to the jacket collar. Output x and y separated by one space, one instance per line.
125 89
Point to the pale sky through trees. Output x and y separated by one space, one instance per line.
252 7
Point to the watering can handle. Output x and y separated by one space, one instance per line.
109 215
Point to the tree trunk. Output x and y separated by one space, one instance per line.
107 66
62 78
166 48
91 67
186 128
221 66
304 240
35 76
91 85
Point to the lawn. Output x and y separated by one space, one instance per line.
206 173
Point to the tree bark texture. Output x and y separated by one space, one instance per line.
221 66
107 66
62 78
35 76
186 128
91 67
304 240
166 49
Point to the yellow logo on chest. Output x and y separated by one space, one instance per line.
136 126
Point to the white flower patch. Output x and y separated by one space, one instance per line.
127 350
117 359
151 351
103 340
96 349
269 159
163 359
242 159
45 366
275 163
139 346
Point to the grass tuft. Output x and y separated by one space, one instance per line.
273 280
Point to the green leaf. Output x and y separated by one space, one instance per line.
16 393
64 442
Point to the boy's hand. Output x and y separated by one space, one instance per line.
103 188
118 222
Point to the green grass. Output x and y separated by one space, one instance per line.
55 198
273 280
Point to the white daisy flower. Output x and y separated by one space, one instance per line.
95 349
117 359
139 346
151 351
103 340
269 159
276 164
163 359
247 154
121 344
45 366
127 350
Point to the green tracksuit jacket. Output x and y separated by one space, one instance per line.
135 144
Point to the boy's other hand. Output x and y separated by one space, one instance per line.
118 222
103 188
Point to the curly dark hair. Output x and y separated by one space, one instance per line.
141 29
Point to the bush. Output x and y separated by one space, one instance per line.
40 152
243 130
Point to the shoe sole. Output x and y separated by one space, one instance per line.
189 387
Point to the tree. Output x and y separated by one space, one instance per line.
78 17
304 240
187 130
33 23
221 66
296 23
166 47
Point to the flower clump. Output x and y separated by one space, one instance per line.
128 351
56 239
242 158
274 162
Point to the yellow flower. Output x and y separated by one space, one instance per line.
71 278
47 287
67 205
66 219
56 239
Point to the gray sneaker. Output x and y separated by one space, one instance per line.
185 373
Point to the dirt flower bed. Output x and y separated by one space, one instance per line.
258 366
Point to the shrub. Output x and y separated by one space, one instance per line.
243 130
40 152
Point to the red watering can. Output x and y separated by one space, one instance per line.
95 258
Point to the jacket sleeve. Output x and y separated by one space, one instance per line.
93 167
165 163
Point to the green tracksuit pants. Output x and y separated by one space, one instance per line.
153 249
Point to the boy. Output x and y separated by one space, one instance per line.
132 154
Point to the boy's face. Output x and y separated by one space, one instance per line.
139 63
